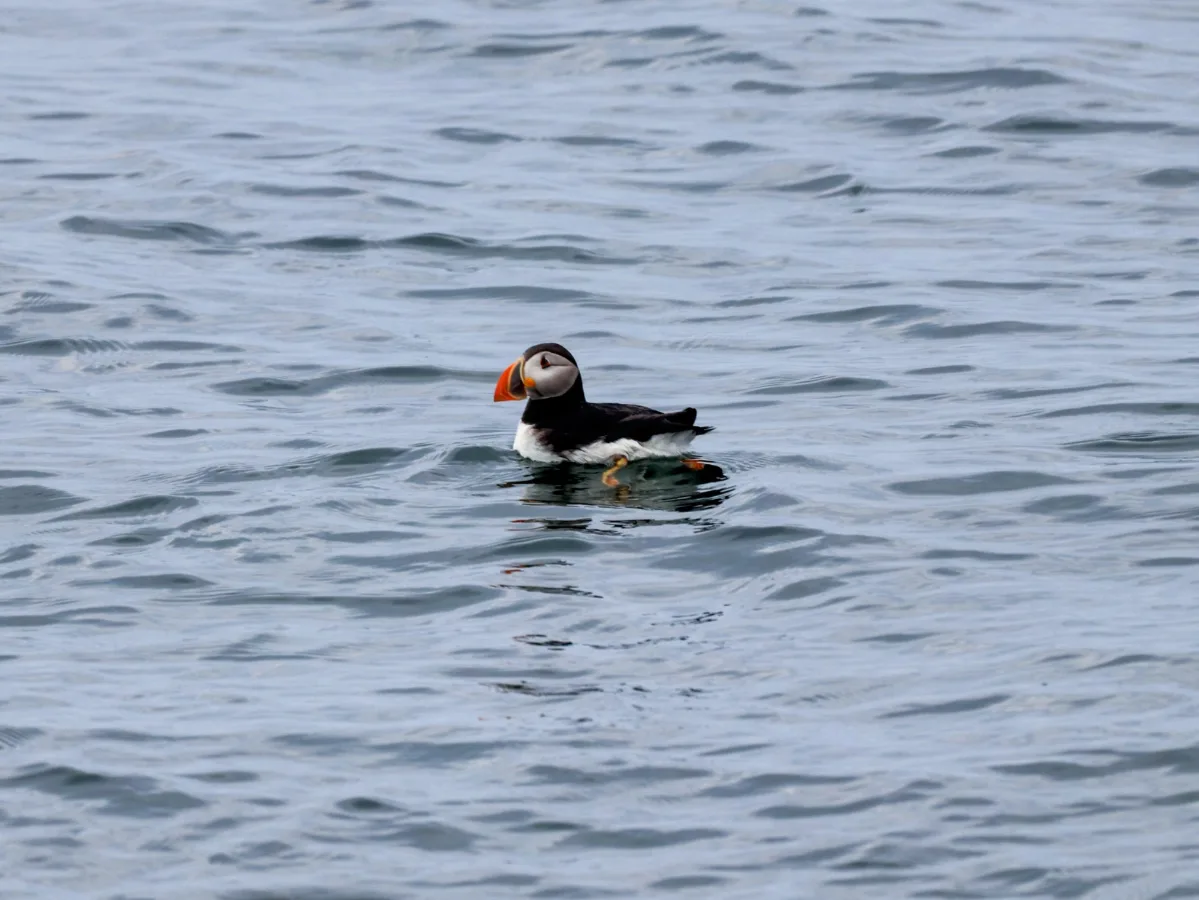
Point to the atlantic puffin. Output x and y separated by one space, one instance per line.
560 425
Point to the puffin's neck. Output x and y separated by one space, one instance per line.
542 412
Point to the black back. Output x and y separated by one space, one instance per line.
565 425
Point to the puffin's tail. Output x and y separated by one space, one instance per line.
686 418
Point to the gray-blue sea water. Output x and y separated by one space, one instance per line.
282 615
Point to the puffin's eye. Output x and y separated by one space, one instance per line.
545 363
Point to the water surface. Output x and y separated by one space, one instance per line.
284 617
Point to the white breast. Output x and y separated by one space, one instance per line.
530 446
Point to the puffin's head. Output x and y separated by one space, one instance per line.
543 371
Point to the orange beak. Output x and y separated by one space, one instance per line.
511 385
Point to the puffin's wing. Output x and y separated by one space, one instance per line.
640 423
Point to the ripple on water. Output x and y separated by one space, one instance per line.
1171 177
401 604
978 483
531 249
319 191
966 151
818 185
1046 126
770 88
12 737
1178 408
475 135
913 792
328 465
731 548
637 838
278 601
258 386
982 329
830 384
952 82
136 796
149 230
885 314
525 293
32 499
1154 442
150 505
61 346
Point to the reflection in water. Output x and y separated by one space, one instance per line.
665 485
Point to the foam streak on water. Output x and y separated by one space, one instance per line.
281 614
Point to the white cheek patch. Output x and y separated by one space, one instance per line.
557 381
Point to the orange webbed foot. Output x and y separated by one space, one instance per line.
609 477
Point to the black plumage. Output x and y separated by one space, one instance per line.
568 422
587 423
